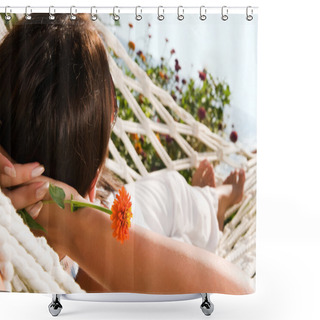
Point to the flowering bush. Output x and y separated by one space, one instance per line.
9 24
203 97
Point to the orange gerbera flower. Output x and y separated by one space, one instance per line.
131 45
141 98
138 147
121 215
134 137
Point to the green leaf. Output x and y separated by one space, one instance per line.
71 203
29 221
57 194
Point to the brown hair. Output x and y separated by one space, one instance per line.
56 97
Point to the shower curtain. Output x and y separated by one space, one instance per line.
138 140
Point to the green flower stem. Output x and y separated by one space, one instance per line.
80 204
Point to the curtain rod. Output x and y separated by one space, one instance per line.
129 9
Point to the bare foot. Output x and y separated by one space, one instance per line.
232 178
204 175
230 193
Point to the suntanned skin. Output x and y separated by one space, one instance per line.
228 194
18 174
146 263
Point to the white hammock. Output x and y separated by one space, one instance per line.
239 236
29 264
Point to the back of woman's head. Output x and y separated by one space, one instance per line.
56 97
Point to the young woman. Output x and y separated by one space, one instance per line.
57 103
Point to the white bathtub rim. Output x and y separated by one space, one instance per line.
129 297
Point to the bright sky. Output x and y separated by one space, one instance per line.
227 49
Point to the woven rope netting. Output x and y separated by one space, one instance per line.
239 236
28 264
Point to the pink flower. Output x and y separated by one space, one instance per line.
168 139
177 78
173 51
184 81
202 113
202 75
177 66
234 136
141 55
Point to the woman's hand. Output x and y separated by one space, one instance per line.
57 222
17 183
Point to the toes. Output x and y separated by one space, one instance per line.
202 166
204 175
242 177
209 179
227 180
233 177
197 176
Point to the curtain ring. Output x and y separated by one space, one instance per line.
203 15
93 16
249 17
7 16
160 16
116 17
72 16
51 16
224 13
180 15
138 16
27 16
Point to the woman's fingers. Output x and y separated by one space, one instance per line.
23 174
27 195
6 167
34 209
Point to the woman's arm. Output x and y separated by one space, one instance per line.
149 262
146 263
88 284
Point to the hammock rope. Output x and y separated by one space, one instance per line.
238 241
